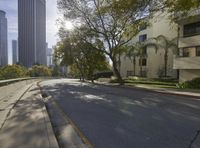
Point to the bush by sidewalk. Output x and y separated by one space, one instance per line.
193 84
39 71
138 80
12 72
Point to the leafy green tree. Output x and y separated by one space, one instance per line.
82 55
181 5
74 71
105 25
171 6
12 71
39 71
56 71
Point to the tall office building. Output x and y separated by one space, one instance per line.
49 57
3 39
14 51
32 32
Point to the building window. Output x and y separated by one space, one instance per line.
198 51
142 38
143 62
191 51
191 29
186 52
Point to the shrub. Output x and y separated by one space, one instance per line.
39 71
182 85
12 71
193 84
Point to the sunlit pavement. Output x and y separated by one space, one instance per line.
112 117
26 124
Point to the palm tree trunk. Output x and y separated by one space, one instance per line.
166 62
140 66
134 65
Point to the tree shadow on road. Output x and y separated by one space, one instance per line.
129 116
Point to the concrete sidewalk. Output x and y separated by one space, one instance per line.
172 91
25 122
9 95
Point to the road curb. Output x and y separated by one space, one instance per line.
51 136
68 119
162 92
146 89
49 129
78 131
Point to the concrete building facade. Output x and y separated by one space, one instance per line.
14 52
32 32
151 64
3 39
188 60
49 57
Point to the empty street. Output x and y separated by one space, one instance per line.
117 117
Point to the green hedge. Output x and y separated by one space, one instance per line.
192 84
39 71
12 72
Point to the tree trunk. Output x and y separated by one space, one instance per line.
119 62
116 71
134 65
140 66
166 62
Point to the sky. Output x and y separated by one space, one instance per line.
10 7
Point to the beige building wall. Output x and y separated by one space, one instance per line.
188 65
160 25
188 74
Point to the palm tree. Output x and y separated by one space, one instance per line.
137 50
164 43
132 53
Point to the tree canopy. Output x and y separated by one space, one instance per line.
108 25
103 24
39 71
155 5
83 56
12 71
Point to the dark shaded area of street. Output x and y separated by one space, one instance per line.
114 117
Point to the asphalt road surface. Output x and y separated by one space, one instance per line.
114 117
